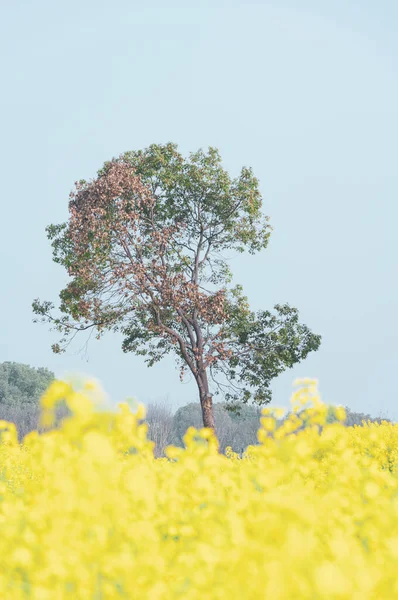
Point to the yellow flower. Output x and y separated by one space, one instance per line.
87 511
340 413
268 423
57 391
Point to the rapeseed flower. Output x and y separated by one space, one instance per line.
87 512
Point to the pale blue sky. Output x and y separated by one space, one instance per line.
305 92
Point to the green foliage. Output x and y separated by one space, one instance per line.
264 345
22 384
200 193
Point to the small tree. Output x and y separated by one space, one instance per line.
143 247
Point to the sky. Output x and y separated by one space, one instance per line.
304 93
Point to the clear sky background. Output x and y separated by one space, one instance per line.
306 93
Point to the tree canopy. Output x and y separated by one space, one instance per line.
144 247
22 384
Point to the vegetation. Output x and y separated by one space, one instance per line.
236 430
21 387
144 247
97 504
22 384
87 512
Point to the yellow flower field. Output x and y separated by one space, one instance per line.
86 512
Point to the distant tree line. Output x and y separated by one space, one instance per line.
236 429
21 387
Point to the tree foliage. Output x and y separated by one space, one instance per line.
144 251
21 384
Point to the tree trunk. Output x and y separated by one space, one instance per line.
206 401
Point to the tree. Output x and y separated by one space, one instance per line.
22 384
143 248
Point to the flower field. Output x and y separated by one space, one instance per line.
86 512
